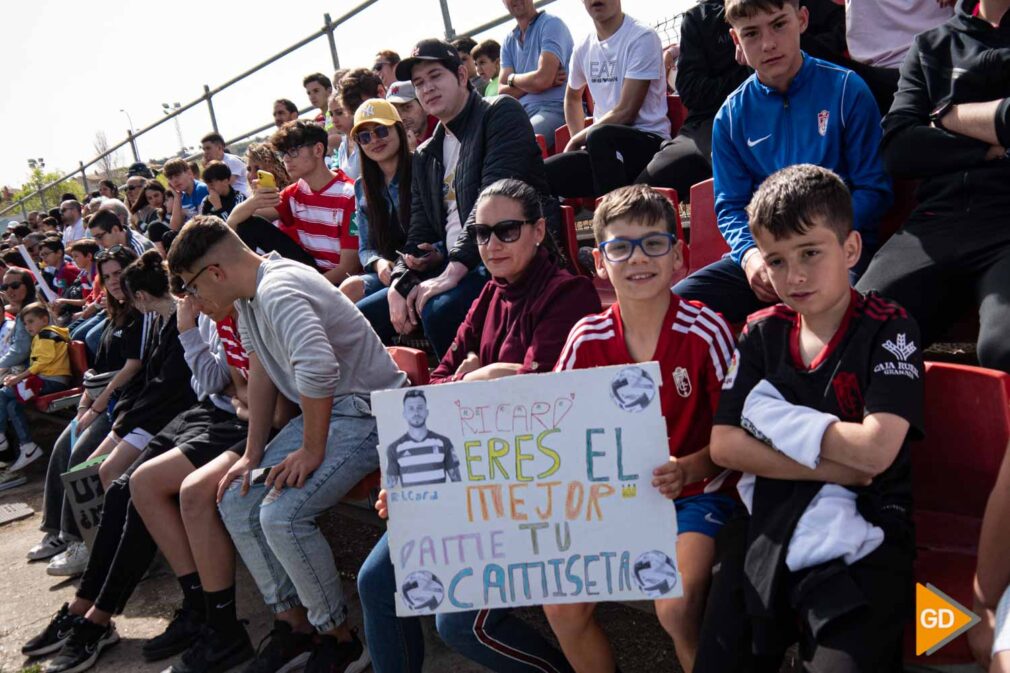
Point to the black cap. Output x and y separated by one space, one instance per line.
139 168
429 50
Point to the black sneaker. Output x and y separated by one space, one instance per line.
281 650
82 649
333 656
215 652
178 636
55 634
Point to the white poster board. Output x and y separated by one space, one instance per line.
40 280
527 490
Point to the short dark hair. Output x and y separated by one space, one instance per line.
174 167
84 246
195 240
640 203
389 56
213 137
36 310
737 10
464 45
356 87
793 200
414 393
288 105
105 220
216 170
488 48
298 133
50 221
68 197
21 230
147 274
319 78
54 243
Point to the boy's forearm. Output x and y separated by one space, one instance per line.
316 412
870 446
699 466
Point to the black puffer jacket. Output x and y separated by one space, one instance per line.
496 141
956 178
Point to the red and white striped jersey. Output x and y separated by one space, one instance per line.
694 351
321 222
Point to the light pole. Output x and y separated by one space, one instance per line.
39 164
168 109
133 136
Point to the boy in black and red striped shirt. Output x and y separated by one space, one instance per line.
823 394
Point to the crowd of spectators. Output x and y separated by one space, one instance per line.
234 315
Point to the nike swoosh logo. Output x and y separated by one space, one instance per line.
60 635
223 605
712 519
753 143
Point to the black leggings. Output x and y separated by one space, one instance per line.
938 267
597 169
263 237
679 165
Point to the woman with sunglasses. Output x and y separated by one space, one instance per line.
18 290
117 362
517 325
385 167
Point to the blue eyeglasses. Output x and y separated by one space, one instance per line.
653 245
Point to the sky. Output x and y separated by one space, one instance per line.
78 64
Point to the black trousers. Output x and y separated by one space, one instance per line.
614 156
937 267
263 237
679 165
124 548
866 640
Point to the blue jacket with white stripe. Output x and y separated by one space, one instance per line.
827 117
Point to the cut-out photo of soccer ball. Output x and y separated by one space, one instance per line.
655 574
422 590
632 389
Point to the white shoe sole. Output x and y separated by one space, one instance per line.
14 483
61 571
48 649
90 661
363 662
19 464
45 553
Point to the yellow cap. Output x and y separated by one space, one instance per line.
375 111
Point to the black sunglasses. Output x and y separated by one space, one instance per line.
379 65
108 253
507 231
14 285
379 132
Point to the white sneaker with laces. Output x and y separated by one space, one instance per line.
70 563
30 452
50 546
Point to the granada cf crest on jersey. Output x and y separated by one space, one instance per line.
822 122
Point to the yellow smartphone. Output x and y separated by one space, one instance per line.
266 179
163 180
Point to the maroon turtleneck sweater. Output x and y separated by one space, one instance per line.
525 322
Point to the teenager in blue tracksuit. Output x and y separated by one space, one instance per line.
824 115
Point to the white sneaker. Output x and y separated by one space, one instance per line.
9 479
50 546
30 452
70 563
3 449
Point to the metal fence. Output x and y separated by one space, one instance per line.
207 97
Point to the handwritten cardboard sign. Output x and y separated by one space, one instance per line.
527 490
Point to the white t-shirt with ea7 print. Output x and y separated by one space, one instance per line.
633 52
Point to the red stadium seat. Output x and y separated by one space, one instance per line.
66 399
954 469
543 145
604 287
562 136
413 363
707 244
676 111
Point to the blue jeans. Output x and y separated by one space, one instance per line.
12 410
546 121
89 331
493 638
441 316
275 532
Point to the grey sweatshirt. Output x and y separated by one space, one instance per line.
311 339
206 358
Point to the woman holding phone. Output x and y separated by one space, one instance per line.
384 182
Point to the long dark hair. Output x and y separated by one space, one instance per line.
27 279
119 311
385 237
529 199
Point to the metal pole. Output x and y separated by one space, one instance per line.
210 107
329 27
447 20
84 177
24 211
133 146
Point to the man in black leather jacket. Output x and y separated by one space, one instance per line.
952 133
476 142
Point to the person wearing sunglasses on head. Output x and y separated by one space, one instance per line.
518 325
385 66
382 198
